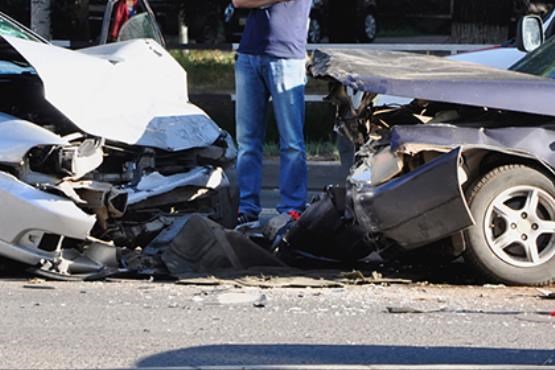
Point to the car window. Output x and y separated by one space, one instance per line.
8 28
540 62
140 27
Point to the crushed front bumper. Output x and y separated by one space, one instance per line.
417 208
29 214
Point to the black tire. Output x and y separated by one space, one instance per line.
368 27
507 264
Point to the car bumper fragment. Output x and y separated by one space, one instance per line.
420 207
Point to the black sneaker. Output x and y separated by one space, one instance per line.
245 220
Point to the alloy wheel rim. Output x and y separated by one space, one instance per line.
520 226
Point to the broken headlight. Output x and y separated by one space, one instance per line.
73 160
378 168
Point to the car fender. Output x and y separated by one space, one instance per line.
18 136
35 212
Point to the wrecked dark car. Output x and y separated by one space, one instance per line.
101 151
467 169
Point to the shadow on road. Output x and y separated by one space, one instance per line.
283 354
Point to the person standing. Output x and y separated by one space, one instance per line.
125 9
271 63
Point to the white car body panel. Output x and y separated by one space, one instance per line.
156 184
35 210
86 87
17 137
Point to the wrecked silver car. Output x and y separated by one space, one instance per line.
467 169
100 151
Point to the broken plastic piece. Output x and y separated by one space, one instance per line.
204 246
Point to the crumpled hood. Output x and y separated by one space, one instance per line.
436 79
132 92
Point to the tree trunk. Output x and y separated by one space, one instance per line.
40 17
479 21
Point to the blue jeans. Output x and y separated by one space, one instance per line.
257 78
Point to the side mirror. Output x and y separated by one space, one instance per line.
529 35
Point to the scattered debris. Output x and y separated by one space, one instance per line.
494 286
261 301
358 278
546 294
353 275
537 318
37 281
269 278
411 310
39 287
201 281
238 298
287 282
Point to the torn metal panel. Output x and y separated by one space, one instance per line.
95 258
435 79
81 159
378 168
139 93
17 137
98 195
531 141
415 209
155 184
190 129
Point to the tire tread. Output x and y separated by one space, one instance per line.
469 254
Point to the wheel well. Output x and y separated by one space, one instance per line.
479 162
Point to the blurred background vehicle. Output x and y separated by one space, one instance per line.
330 20
212 22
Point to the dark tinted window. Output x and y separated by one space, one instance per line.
540 62
8 28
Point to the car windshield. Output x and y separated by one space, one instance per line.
540 62
10 28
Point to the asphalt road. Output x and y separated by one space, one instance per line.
142 324
129 324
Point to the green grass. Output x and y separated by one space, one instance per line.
315 151
208 71
212 71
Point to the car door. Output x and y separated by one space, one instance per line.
139 26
